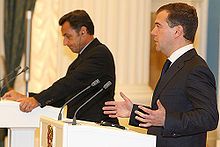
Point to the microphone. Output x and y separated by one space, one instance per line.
9 81
13 71
94 83
106 86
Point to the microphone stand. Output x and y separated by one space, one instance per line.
74 117
104 87
8 75
9 81
60 114
94 83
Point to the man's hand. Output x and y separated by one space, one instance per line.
151 117
118 108
28 104
13 95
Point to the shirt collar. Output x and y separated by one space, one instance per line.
85 46
179 52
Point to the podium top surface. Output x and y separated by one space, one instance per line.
12 117
87 125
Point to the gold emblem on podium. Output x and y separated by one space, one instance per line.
49 136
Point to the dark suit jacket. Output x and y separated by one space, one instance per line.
188 93
95 62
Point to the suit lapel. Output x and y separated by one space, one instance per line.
171 72
164 80
74 64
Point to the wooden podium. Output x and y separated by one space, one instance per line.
21 126
55 133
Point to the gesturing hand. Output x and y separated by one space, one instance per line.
118 108
151 117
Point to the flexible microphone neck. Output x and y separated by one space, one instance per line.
9 81
94 83
9 74
107 84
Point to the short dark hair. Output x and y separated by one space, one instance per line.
77 19
184 15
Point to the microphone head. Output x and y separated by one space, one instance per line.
94 83
25 69
17 68
109 83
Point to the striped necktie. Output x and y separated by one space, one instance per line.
165 67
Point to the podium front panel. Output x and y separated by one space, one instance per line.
86 134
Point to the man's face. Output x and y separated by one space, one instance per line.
162 34
72 39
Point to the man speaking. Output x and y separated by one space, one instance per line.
94 61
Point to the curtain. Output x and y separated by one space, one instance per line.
14 38
14 32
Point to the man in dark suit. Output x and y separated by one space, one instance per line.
184 105
94 61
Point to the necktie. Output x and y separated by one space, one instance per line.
165 67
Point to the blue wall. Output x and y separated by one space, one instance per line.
213 38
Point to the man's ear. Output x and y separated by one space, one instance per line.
178 31
83 30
